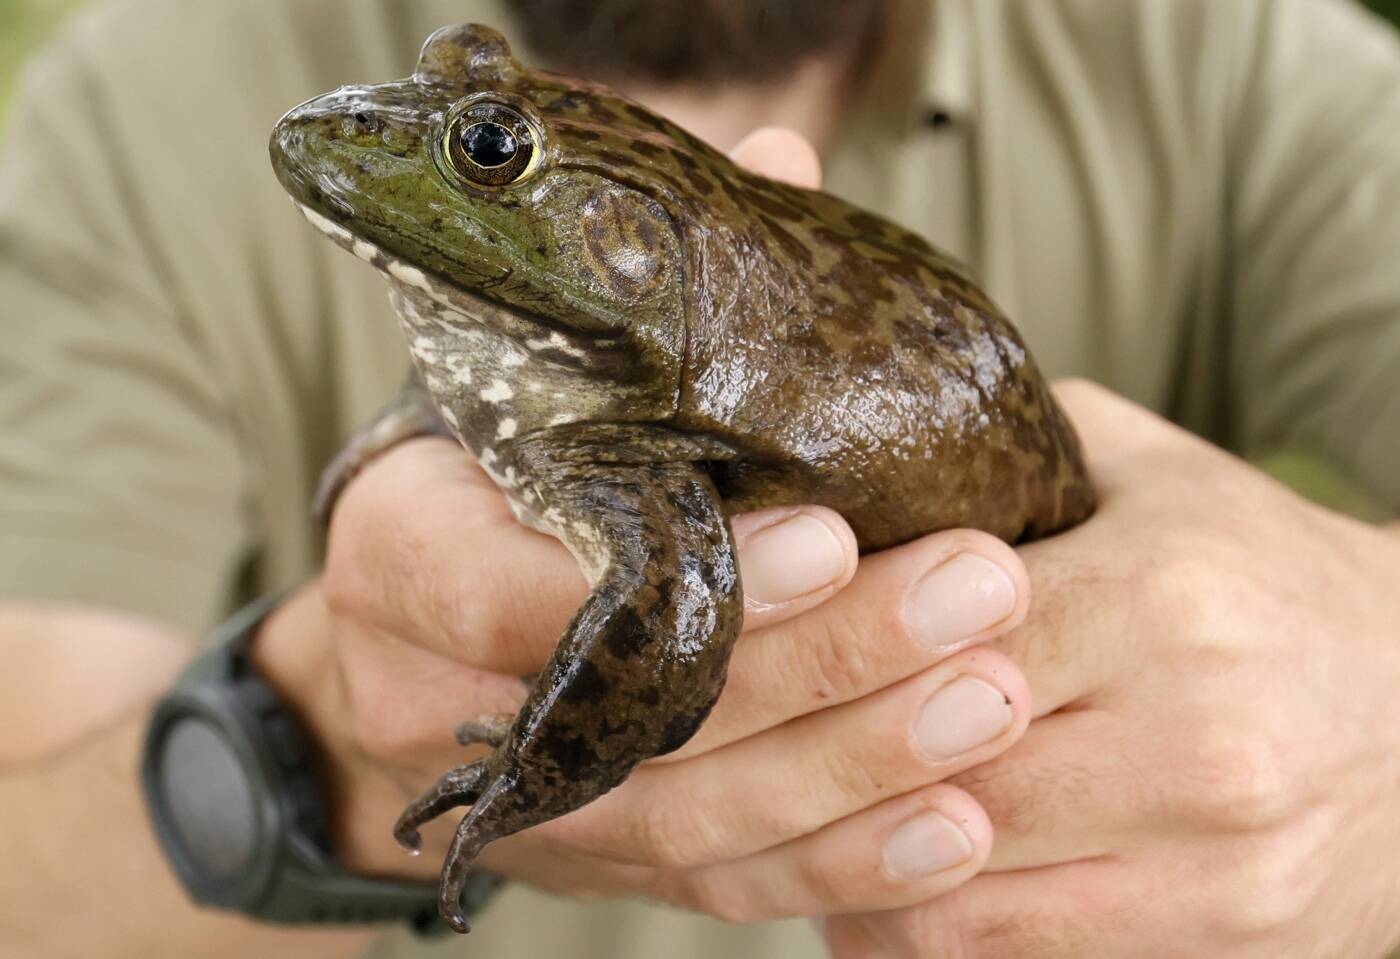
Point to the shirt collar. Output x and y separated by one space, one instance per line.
922 71
946 82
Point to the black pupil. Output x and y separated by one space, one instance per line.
489 144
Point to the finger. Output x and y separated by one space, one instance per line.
791 559
405 556
780 153
1077 909
423 574
796 779
904 851
1072 788
1088 604
414 730
906 609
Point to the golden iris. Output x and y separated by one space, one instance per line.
491 145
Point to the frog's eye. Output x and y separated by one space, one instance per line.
491 145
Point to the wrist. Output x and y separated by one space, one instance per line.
294 654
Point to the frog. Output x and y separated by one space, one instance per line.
636 339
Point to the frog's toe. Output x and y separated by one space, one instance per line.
459 787
491 730
473 833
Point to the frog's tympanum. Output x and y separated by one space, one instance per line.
636 338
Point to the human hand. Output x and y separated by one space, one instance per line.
819 769
814 756
1217 770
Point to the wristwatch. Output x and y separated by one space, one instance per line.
232 790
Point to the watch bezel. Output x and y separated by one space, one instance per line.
292 875
216 705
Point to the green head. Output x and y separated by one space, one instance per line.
556 202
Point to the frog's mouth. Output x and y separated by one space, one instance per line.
568 346
385 263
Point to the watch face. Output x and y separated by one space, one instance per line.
208 799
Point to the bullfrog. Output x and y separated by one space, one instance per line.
636 339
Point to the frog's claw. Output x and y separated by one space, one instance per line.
457 787
411 413
491 730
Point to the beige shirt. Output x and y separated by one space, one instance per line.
1195 202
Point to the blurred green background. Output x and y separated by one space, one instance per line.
25 23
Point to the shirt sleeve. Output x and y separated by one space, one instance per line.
120 476
1315 238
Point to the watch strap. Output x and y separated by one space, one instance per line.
298 881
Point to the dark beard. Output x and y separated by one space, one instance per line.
690 41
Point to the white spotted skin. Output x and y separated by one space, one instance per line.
409 275
498 392
497 378
330 228
579 538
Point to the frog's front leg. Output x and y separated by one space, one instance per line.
636 672
410 413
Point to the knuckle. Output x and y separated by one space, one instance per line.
838 664
830 889
365 545
383 724
376 726
344 581
1235 778
1272 886
728 902
859 777
1012 794
969 937
448 609
1032 931
1188 590
673 835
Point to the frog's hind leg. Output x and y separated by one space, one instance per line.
458 787
640 665
491 730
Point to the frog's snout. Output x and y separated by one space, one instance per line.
304 144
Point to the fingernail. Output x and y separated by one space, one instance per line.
790 559
960 717
927 844
965 595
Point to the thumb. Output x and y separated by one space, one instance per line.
780 153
